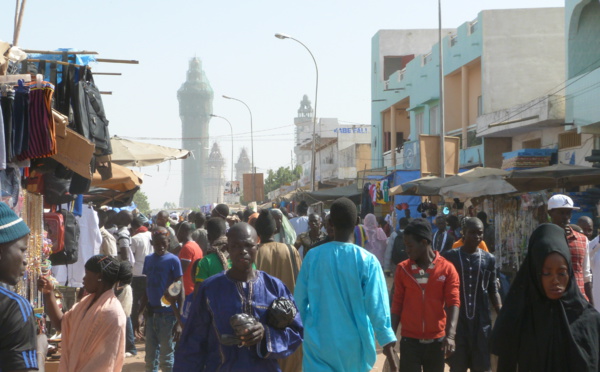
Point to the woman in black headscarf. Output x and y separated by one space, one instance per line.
546 324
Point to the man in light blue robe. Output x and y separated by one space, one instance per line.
342 297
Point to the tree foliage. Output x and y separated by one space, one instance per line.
141 201
169 205
280 177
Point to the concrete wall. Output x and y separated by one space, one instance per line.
582 19
523 51
392 43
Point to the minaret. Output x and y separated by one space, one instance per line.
243 165
195 107
215 182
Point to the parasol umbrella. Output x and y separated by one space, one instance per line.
553 176
417 187
132 153
123 179
490 185
429 186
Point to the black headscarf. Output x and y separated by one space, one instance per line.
534 333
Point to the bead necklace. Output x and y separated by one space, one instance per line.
474 303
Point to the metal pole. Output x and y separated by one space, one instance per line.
231 130
251 144
441 109
313 159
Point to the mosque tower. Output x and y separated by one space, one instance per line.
195 107
243 165
215 182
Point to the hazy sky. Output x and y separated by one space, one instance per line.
240 56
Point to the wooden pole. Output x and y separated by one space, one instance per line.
58 52
18 27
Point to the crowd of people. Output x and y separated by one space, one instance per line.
271 291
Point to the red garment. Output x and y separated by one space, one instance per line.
421 307
141 229
189 252
578 247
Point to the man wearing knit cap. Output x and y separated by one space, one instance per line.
425 285
18 328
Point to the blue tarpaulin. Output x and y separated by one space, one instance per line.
400 177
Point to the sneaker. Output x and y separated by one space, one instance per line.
128 355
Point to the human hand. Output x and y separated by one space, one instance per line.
391 356
253 335
137 332
449 346
177 330
45 285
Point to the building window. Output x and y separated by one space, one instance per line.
453 40
419 123
532 144
472 139
569 139
472 27
434 122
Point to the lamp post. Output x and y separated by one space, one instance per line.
313 158
442 126
231 130
251 144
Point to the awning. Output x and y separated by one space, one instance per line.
138 154
554 176
123 179
111 198
351 192
430 186
490 185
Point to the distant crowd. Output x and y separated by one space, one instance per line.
270 291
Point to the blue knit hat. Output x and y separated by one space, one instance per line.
12 227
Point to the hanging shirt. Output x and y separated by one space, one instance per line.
342 296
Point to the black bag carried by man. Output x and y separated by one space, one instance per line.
281 313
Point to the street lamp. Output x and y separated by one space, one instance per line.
231 129
313 158
251 144
442 124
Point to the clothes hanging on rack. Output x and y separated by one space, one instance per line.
42 133
7 113
20 122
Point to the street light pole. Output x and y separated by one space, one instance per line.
313 165
442 126
231 129
251 144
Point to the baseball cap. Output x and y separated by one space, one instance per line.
561 201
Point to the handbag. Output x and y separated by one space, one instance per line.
54 225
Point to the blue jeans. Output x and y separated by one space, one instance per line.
130 338
159 340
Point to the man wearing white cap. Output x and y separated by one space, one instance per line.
560 209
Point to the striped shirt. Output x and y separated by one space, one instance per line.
18 332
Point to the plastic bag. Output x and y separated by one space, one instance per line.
240 323
281 313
